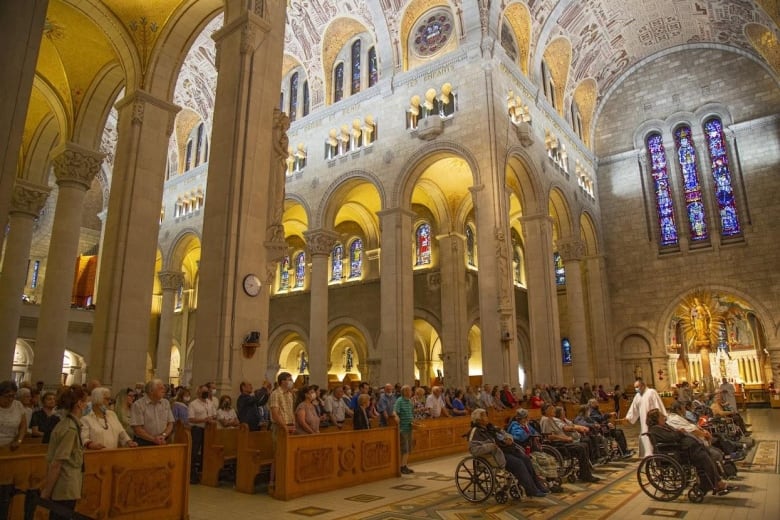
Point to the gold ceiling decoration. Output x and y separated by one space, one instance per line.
414 10
772 8
520 20
53 30
144 34
336 36
766 43
557 55
585 96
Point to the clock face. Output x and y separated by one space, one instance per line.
252 285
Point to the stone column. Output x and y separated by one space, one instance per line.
20 40
546 361
170 281
102 216
571 252
396 336
28 200
120 337
245 200
74 167
597 296
320 243
454 319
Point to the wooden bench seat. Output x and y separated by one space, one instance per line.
219 448
254 451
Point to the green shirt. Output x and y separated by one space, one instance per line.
65 446
404 409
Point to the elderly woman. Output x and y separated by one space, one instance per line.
307 420
709 479
44 420
101 428
13 421
361 420
497 446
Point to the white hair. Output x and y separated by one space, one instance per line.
98 394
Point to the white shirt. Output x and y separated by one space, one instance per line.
109 432
200 410
10 419
642 404
434 404
729 395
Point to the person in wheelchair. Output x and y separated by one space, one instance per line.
608 427
721 409
498 447
526 436
707 471
580 433
554 433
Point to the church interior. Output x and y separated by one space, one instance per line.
444 191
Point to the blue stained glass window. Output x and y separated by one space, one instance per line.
373 67
36 271
284 274
663 192
566 351
293 97
300 269
337 263
356 258
305 98
356 67
338 83
721 175
470 246
686 155
560 271
423 249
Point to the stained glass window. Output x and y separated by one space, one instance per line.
305 98
373 67
199 146
188 157
566 351
337 263
284 274
423 241
293 97
663 192
300 269
516 262
721 175
560 272
338 83
356 258
470 246
356 67
686 155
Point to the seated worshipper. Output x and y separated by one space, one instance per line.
496 398
418 403
24 396
13 421
678 422
601 394
361 420
470 399
507 398
536 399
586 394
306 418
226 415
720 408
335 407
44 420
578 433
525 434
485 398
554 432
458 408
434 404
497 447
709 479
609 427
101 428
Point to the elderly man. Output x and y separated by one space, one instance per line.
720 408
151 416
553 431
386 404
645 399
434 404
336 407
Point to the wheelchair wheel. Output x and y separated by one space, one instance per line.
501 497
565 465
516 492
696 495
661 477
474 479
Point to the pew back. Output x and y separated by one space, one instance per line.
219 448
254 450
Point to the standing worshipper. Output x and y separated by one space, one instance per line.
404 410
729 394
645 399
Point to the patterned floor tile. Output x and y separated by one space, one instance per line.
310 511
364 498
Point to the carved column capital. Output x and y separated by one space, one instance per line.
320 241
171 280
530 220
28 198
76 165
139 99
572 249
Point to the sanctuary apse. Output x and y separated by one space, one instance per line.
521 192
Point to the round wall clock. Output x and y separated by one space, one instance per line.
252 285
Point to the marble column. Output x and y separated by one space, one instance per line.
396 336
28 200
170 281
320 243
454 319
245 200
597 297
572 251
546 360
74 167
120 338
20 40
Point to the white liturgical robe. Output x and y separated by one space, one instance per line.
642 404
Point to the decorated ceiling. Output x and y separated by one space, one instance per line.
589 45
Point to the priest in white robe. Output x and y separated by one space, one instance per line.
645 399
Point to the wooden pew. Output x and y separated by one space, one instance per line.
433 438
125 483
219 448
253 451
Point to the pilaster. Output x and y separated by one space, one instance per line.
170 281
602 345
572 251
26 204
74 168
320 243
454 324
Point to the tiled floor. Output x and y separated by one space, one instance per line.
758 497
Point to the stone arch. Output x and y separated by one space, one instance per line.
523 179
339 32
329 205
560 210
589 234
35 166
279 337
413 11
180 246
519 19
98 101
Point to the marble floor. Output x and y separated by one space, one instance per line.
430 493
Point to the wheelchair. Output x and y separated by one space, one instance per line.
666 474
477 480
